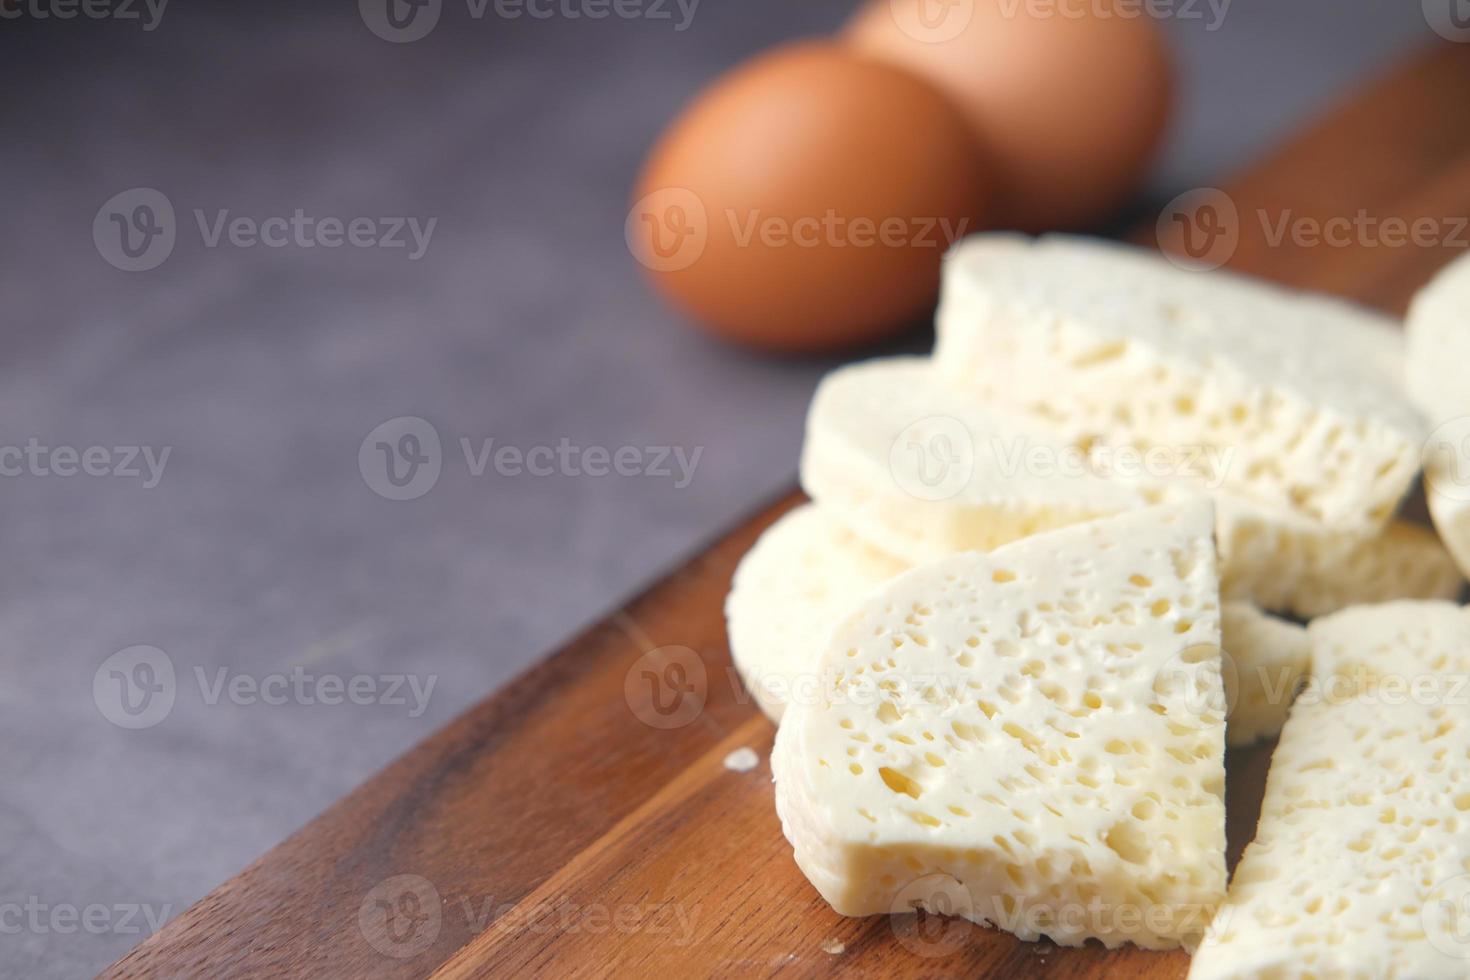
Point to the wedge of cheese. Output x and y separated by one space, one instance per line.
1438 337
788 592
1447 490
1265 661
808 571
922 472
1308 570
1291 400
1361 862
1438 332
1031 738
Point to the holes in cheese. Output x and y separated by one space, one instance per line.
1309 571
922 471
1296 398
887 445
807 572
1361 862
1050 738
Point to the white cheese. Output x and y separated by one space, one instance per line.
1449 501
922 472
1265 661
1308 570
788 592
1298 398
1032 738
1438 335
808 571
1361 862
1438 332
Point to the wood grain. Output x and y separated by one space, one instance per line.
552 828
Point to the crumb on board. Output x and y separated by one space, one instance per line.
836 947
742 760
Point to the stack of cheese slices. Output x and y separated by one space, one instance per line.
993 641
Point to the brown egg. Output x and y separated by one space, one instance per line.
1069 98
803 202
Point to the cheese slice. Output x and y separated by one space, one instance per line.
1438 331
808 571
1449 499
1031 738
921 471
1438 343
1296 400
789 591
1361 862
1308 570
1265 661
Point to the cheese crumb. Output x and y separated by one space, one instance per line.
742 760
834 946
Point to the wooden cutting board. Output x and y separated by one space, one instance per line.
582 821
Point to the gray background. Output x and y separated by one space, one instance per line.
262 547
